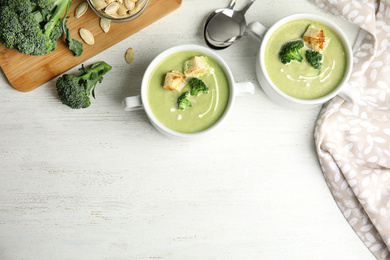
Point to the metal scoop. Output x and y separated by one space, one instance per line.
225 26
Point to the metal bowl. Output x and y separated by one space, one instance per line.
140 8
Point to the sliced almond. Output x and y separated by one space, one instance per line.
110 1
81 9
99 4
134 1
130 5
122 11
112 8
105 24
129 56
87 36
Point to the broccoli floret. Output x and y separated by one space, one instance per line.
74 91
198 86
32 26
57 31
314 58
291 51
183 101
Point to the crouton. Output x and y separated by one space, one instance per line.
196 66
174 81
315 39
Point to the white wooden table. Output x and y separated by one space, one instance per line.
102 183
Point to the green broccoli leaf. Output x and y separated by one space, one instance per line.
74 45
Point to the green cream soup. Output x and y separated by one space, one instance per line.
206 109
301 80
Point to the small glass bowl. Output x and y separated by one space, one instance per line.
121 19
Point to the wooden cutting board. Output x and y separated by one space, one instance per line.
25 72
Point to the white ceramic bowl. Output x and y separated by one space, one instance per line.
141 101
262 34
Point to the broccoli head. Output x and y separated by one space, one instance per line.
183 101
314 58
74 91
291 51
198 86
32 26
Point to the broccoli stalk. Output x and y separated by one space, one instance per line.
32 26
314 58
74 91
183 101
291 51
198 86
58 8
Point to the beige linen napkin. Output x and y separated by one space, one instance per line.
353 140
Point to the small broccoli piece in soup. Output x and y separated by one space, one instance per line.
198 86
314 58
183 101
291 51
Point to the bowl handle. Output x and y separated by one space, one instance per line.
350 94
244 88
256 30
132 103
